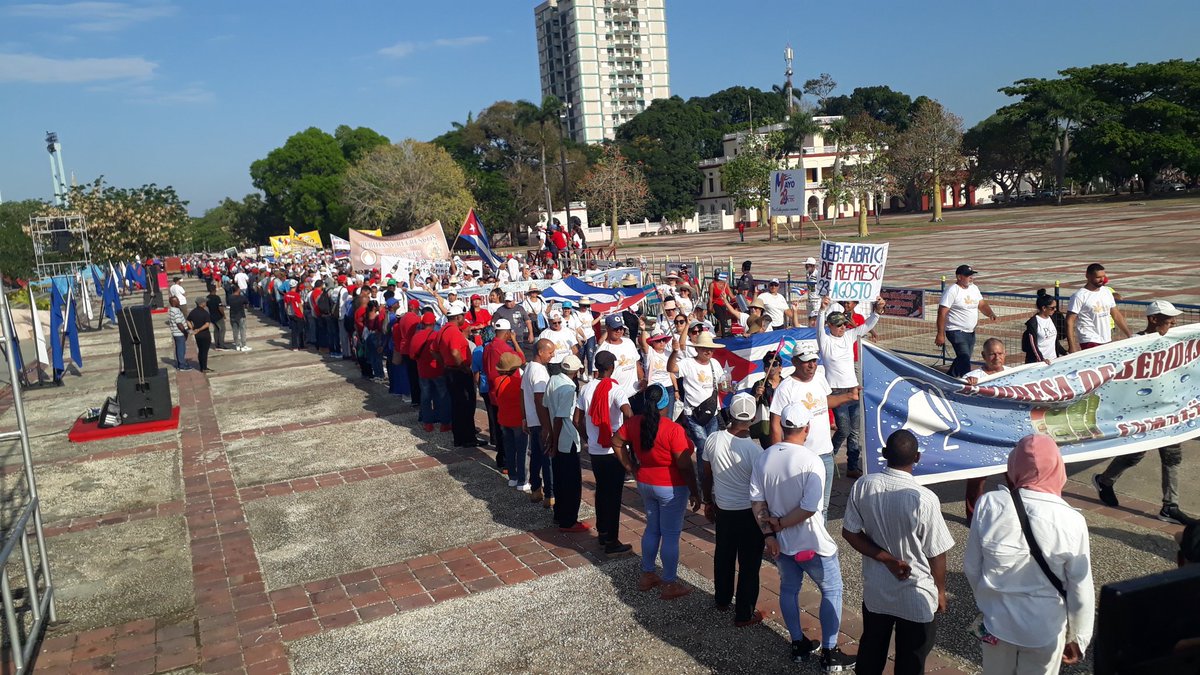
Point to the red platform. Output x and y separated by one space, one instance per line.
160 310
83 432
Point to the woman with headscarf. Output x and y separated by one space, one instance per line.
661 460
1033 620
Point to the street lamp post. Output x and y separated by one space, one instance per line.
562 153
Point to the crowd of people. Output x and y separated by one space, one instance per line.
644 399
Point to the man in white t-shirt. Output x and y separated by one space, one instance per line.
598 424
537 419
958 314
242 280
786 497
628 370
807 386
774 305
1089 311
838 350
565 340
535 308
176 291
994 356
728 466
698 377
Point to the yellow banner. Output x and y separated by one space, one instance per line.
373 233
291 232
281 244
313 238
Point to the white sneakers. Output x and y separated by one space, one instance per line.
524 487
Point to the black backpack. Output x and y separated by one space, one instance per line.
324 304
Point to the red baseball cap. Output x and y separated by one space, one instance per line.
413 304
428 319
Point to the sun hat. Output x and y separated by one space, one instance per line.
508 362
704 341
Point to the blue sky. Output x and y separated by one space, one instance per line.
189 94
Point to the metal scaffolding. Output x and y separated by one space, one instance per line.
30 607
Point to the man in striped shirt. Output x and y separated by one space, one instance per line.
897 526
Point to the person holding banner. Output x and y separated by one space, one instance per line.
1160 318
838 353
1088 314
958 314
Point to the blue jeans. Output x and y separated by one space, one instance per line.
699 433
963 344
180 350
371 346
435 401
665 507
827 459
514 452
541 471
588 355
826 573
848 417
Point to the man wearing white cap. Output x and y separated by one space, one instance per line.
560 400
730 461
565 340
787 499
629 370
1160 318
774 304
807 386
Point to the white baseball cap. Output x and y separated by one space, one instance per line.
556 315
810 260
1162 307
743 407
502 324
571 363
795 416
805 355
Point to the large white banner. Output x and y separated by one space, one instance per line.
787 192
850 271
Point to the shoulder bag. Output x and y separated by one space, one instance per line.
1034 549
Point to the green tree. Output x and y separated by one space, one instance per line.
302 182
861 143
124 222
668 140
929 152
1002 150
820 87
407 186
358 141
882 103
230 223
617 185
16 247
735 107
747 177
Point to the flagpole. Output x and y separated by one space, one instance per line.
865 457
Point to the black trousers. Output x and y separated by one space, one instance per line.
414 380
203 343
462 405
568 487
739 550
914 641
610 481
495 437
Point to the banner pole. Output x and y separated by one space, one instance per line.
867 458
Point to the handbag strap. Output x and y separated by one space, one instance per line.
1034 549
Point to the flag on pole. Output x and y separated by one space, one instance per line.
87 295
39 336
139 275
62 324
473 233
110 302
14 345
341 247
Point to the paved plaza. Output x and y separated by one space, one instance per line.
301 521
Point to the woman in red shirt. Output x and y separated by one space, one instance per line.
510 414
662 463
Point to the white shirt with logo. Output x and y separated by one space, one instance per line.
963 304
1092 310
814 394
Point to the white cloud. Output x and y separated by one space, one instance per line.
399 50
43 70
193 95
461 42
94 17
402 49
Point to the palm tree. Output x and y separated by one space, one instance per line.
530 115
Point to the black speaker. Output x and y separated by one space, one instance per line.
62 241
138 355
144 400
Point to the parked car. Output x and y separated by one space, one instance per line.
1173 187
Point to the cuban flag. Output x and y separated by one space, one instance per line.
473 233
742 356
604 300
62 323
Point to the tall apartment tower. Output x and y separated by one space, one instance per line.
606 59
